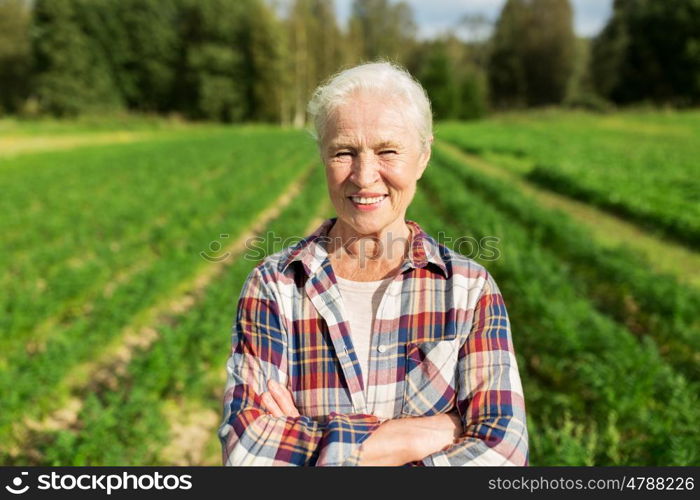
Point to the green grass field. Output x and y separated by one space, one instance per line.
115 329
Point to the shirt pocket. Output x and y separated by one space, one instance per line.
431 373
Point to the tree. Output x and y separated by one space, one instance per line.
608 52
455 85
580 92
326 41
549 51
139 39
379 29
650 50
72 74
533 50
315 51
231 68
262 39
473 95
212 77
440 82
507 82
15 52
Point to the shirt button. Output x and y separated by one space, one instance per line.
381 348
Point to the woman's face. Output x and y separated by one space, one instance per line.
370 148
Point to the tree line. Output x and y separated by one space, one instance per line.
251 60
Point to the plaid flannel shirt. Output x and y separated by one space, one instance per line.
441 340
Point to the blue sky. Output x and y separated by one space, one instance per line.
436 16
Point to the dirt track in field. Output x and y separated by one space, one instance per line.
11 146
106 369
608 230
193 428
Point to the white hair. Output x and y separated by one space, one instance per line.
385 78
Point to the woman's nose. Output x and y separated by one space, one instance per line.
365 170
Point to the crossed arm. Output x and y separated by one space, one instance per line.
394 442
263 427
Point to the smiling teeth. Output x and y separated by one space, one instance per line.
366 201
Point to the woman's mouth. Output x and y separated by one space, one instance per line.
367 203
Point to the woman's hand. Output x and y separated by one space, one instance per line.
278 401
395 442
404 440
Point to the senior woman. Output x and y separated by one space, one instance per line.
368 343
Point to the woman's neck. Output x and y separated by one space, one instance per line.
363 257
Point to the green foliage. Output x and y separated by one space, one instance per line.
213 67
650 50
617 282
474 96
158 375
439 80
153 207
240 60
533 50
138 39
580 92
264 70
507 83
96 236
211 59
73 75
563 442
315 49
623 398
640 167
456 87
381 29
15 56
231 61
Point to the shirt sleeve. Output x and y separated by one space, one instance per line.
251 436
490 396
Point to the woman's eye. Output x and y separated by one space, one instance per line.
342 153
388 152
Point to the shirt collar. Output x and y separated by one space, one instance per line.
311 251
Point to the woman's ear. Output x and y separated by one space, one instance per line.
425 157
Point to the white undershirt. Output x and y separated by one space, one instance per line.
361 300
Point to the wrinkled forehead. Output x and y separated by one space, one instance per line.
370 116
